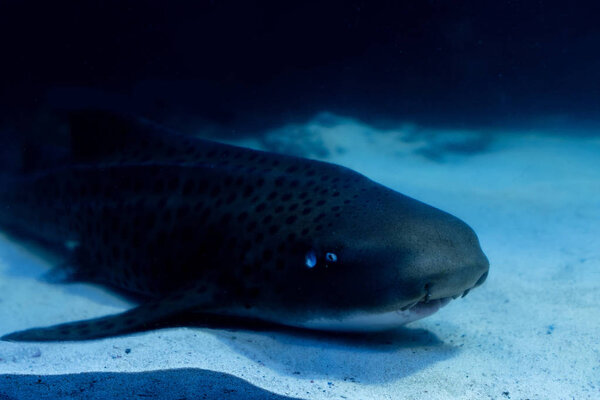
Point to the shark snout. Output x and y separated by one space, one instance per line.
458 273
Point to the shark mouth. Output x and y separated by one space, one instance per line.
373 322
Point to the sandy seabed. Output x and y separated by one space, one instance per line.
530 332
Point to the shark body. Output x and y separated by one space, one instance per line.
185 226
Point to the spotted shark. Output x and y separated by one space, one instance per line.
186 226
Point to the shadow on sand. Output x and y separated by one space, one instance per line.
175 384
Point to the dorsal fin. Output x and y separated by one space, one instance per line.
107 136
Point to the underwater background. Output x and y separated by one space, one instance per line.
487 110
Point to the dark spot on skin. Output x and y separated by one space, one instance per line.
291 219
202 187
319 227
251 226
183 210
242 216
232 243
188 187
266 275
304 232
248 191
267 219
260 182
105 234
246 270
279 181
278 209
261 207
171 151
291 169
336 194
272 195
230 198
286 197
320 202
205 215
215 191
259 237
267 255
306 211
293 207
307 202
335 208
311 172
291 237
173 184
280 264
273 229
226 218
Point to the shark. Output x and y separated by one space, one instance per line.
186 226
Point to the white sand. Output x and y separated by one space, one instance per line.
531 332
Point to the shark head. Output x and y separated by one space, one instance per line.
381 261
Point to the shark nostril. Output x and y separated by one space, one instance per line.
482 279
427 289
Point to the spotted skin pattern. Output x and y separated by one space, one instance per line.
184 225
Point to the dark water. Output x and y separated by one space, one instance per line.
243 67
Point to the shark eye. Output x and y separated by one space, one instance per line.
310 260
331 257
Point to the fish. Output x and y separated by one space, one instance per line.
185 226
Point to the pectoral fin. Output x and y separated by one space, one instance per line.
144 317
